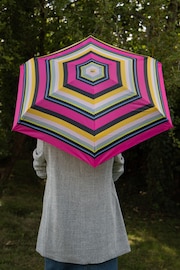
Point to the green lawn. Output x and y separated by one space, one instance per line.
154 244
154 240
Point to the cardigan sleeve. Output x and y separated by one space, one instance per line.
39 162
118 167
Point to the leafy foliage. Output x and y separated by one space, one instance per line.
37 27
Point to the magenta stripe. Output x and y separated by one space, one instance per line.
19 95
96 88
163 92
101 86
42 77
71 67
85 42
103 157
78 84
132 142
89 122
137 69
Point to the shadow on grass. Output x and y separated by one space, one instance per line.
154 243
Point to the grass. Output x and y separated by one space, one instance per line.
154 240
20 209
154 244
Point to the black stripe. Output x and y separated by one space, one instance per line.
123 117
102 150
146 80
23 92
131 135
94 95
57 136
159 88
102 79
95 115
76 89
85 128
99 45
36 80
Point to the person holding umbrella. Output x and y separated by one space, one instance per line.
85 104
82 225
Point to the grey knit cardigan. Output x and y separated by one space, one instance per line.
81 219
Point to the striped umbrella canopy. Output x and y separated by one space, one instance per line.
92 100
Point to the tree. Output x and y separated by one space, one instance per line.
147 27
18 42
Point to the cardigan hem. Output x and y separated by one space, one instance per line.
80 261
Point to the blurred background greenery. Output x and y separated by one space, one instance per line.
150 186
38 27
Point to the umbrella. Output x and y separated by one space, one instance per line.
92 100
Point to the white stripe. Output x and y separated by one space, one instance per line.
128 65
153 79
59 129
125 129
28 86
98 106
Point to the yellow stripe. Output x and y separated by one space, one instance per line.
85 98
115 47
33 79
149 73
29 77
84 133
152 78
78 42
60 122
79 54
93 139
125 122
92 101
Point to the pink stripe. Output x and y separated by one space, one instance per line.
75 115
132 142
85 42
88 88
75 83
93 89
89 122
103 157
71 66
141 78
19 95
80 118
91 56
163 92
100 87
55 142
42 79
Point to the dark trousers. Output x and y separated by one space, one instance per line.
54 265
